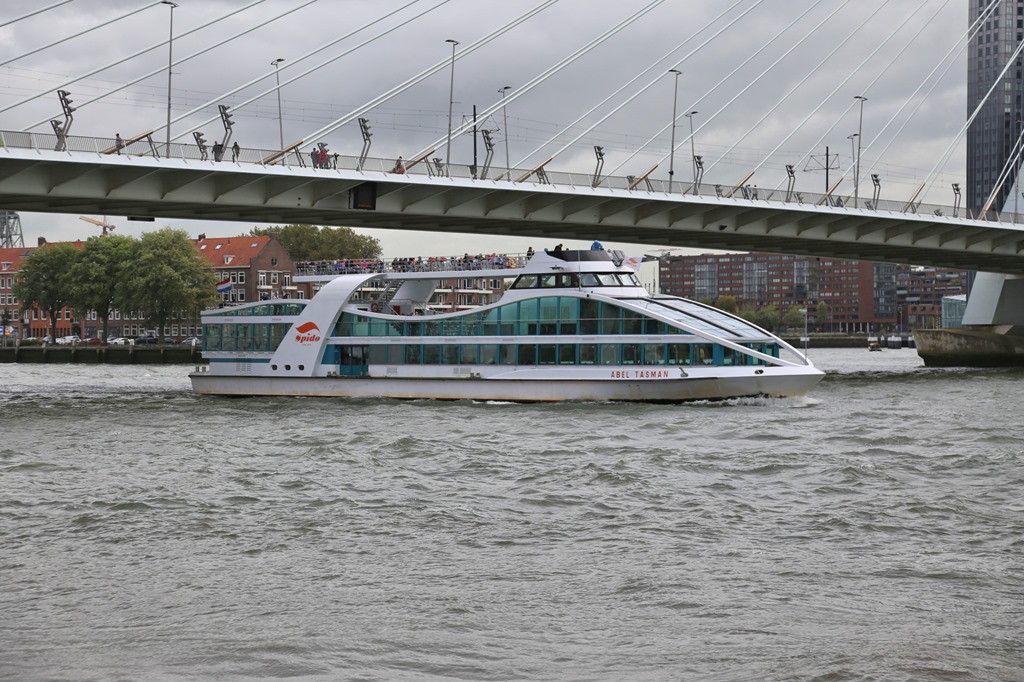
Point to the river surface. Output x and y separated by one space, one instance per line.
872 531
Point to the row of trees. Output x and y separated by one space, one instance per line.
770 317
160 273
311 242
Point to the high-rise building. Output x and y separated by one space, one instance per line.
992 137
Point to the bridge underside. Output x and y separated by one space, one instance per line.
75 183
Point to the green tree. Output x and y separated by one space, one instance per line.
767 317
728 304
97 273
45 280
310 242
166 276
795 317
822 314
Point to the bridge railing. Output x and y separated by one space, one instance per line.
145 146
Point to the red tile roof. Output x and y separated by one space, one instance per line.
234 252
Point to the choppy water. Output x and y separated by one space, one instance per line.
874 531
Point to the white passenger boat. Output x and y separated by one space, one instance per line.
572 325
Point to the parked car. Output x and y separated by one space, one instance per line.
117 341
94 341
146 339
192 341
68 340
47 339
170 341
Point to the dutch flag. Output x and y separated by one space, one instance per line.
224 286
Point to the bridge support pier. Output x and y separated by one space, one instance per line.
992 334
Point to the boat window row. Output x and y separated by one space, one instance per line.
258 337
547 316
648 354
572 280
265 309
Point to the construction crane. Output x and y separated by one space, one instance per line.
107 227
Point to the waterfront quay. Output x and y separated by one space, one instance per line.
98 355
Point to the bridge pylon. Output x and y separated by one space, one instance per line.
10 230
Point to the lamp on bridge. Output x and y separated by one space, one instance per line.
280 120
853 163
451 101
956 200
672 145
170 63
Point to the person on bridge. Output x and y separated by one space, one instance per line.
118 143
596 246
399 166
314 157
218 151
235 151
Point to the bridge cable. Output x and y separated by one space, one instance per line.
33 13
963 130
131 56
752 56
799 83
1012 163
307 71
633 80
80 33
163 69
424 74
754 80
906 45
537 80
963 44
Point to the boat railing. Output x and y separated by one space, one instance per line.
401 265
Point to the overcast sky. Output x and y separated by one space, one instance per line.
804 101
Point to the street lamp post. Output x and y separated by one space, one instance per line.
860 129
451 102
280 120
693 150
170 62
504 115
672 145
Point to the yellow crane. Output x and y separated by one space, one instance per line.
107 227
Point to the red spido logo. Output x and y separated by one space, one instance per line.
307 333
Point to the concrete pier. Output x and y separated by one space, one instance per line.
981 346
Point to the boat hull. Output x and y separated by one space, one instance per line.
782 383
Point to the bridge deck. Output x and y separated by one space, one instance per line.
83 180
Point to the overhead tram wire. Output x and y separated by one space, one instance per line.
799 83
949 60
80 33
305 73
33 13
423 75
778 35
182 60
537 80
854 71
125 59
